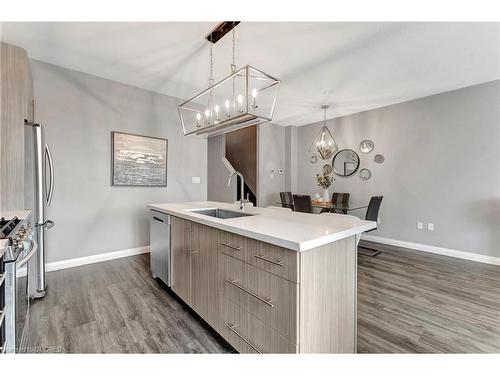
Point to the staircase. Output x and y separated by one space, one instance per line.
241 153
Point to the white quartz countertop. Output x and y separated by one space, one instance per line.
293 230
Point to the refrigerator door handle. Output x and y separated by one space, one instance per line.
50 192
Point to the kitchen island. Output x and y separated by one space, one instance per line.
267 280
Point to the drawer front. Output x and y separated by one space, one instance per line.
269 298
277 260
274 259
237 246
248 334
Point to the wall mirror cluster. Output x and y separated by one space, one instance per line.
327 169
366 146
365 174
379 159
346 162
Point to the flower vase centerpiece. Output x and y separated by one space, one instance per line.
324 182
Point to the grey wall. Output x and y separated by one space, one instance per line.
291 158
79 111
442 165
271 156
218 174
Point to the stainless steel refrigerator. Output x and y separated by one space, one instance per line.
39 189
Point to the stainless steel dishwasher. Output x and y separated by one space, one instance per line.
159 229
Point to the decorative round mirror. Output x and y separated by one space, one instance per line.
313 159
366 146
327 169
365 174
346 162
379 158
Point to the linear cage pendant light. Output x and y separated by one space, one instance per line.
323 145
246 97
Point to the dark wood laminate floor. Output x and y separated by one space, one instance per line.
415 302
116 307
408 302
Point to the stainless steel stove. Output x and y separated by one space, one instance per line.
17 248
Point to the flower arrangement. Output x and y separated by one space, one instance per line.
324 181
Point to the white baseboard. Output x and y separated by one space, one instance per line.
75 262
433 249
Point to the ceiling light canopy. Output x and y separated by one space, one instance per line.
323 145
246 97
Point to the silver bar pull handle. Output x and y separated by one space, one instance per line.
232 327
3 349
50 191
268 302
276 262
231 246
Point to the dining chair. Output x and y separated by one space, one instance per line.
303 203
372 215
337 198
287 200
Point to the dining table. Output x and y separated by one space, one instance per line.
345 208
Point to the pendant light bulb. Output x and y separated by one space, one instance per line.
207 115
240 103
216 108
198 118
254 95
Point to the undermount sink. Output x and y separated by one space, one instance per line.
220 213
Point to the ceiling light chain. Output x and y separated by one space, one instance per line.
211 78
233 65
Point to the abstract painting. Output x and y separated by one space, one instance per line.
138 160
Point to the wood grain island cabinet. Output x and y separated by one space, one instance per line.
264 298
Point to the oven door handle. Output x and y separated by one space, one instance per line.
33 249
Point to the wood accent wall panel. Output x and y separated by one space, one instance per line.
16 92
328 298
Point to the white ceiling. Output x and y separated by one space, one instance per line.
351 66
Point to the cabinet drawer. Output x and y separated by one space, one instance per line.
270 298
275 259
248 334
237 246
